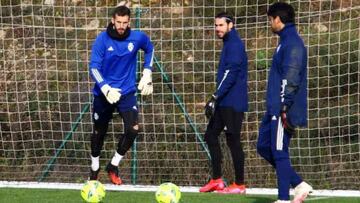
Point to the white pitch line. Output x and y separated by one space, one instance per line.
316 198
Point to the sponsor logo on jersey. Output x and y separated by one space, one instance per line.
110 48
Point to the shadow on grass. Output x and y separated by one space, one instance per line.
257 199
228 198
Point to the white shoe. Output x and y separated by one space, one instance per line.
282 201
301 191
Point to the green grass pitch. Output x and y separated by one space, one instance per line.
12 195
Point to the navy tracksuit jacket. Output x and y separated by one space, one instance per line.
287 82
231 81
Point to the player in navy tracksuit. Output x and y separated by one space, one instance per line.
286 102
227 106
113 68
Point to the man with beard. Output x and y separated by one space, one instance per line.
286 102
113 68
226 107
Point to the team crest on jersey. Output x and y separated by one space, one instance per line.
110 48
130 46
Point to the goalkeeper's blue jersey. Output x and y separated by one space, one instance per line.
113 62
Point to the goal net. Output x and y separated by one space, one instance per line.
45 91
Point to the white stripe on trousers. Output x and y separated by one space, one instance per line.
279 136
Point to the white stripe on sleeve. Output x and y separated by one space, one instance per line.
223 79
97 75
152 58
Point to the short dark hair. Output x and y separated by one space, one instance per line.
283 10
228 17
121 11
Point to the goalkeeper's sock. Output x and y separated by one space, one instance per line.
116 159
95 163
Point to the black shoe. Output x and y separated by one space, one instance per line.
113 172
94 174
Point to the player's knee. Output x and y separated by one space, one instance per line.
211 140
128 139
235 147
135 128
132 131
233 140
280 158
100 129
279 155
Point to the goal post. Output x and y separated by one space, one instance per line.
45 91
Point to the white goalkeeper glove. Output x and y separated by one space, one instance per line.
112 94
145 84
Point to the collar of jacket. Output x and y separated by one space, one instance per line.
287 30
111 31
230 34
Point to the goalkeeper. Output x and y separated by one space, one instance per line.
113 68
286 102
227 105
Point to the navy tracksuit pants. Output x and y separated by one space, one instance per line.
273 146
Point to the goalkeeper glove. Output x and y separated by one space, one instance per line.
210 107
285 121
112 94
145 84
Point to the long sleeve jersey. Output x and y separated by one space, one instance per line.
231 81
113 62
287 83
